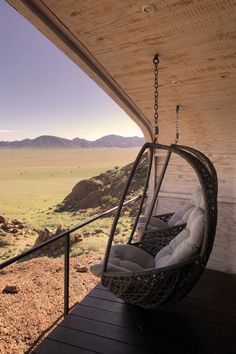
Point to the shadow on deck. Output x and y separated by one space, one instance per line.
202 323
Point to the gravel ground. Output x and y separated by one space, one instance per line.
37 299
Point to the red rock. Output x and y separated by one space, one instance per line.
81 269
11 289
2 219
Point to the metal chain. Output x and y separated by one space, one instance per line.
177 125
156 114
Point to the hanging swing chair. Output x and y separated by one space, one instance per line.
163 266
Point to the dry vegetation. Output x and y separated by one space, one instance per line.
32 183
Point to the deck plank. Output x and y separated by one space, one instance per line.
52 346
115 332
204 322
100 344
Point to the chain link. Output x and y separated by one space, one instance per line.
156 106
177 125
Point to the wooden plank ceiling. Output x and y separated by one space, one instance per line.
196 41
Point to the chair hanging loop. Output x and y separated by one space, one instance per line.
177 124
156 106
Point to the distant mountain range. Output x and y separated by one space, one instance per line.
48 141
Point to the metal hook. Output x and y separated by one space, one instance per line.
156 59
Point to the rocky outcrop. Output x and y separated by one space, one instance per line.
78 198
12 226
104 190
56 247
13 230
2 219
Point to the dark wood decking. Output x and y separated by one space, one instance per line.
203 323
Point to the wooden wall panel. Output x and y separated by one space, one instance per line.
176 191
223 254
181 179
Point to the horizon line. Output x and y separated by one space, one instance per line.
70 139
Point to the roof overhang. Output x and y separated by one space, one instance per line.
114 43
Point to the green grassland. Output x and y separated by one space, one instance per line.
33 181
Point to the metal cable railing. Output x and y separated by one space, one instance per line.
66 236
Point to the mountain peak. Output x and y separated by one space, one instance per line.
50 141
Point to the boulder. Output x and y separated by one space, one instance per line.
60 229
14 226
56 247
11 289
7 226
77 237
2 219
43 235
19 224
78 198
81 269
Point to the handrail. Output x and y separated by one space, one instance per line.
58 237
65 234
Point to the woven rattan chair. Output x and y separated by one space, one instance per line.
152 287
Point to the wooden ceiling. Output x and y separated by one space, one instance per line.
114 42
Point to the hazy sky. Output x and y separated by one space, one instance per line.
43 92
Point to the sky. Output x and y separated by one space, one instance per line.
42 92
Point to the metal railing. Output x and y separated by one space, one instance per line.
66 236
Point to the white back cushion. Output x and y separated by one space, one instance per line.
186 243
154 224
181 216
197 198
195 225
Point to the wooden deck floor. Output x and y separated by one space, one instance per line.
203 323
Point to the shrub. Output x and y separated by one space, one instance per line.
4 242
109 199
118 229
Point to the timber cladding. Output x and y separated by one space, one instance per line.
177 188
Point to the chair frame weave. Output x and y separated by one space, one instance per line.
151 288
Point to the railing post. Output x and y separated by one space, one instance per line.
66 273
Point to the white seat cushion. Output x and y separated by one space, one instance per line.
125 258
128 258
